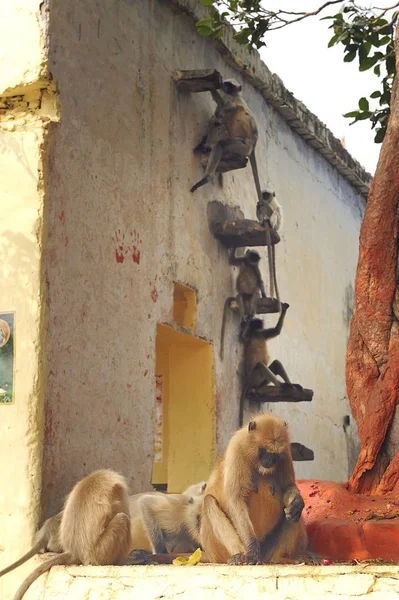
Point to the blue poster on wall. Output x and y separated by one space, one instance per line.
7 358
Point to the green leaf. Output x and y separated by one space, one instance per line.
375 94
205 22
379 136
363 116
367 63
350 56
352 114
207 2
333 41
363 104
204 31
385 40
377 70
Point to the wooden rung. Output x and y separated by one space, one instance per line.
243 232
300 452
264 306
281 393
203 80
228 162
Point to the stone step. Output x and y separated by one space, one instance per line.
219 582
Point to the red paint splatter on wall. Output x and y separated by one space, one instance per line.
66 240
61 217
136 241
146 373
120 249
154 291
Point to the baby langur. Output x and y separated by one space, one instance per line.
270 214
269 209
47 538
252 506
166 523
95 525
258 372
249 285
232 131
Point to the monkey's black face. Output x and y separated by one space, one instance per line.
268 460
230 86
253 257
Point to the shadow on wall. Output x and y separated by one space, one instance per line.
17 258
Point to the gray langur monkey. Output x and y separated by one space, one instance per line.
249 284
47 538
252 506
167 523
258 371
95 525
231 131
270 214
269 209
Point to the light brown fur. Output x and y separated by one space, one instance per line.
166 523
232 131
47 538
247 503
95 525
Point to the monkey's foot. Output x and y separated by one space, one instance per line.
139 557
237 559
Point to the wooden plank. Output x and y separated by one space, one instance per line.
264 306
203 80
243 232
300 452
228 162
281 393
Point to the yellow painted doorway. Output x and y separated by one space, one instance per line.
185 428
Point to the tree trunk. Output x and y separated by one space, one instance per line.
372 362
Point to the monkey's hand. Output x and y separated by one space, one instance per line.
253 552
294 507
284 306
251 558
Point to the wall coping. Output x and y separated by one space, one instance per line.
301 120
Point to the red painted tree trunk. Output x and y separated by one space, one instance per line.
372 362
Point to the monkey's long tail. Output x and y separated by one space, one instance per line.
275 278
242 399
272 277
36 548
222 333
61 559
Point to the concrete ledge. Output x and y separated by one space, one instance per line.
218 582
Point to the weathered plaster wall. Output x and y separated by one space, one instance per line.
123 227
27 105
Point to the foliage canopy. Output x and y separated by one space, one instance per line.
367 35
